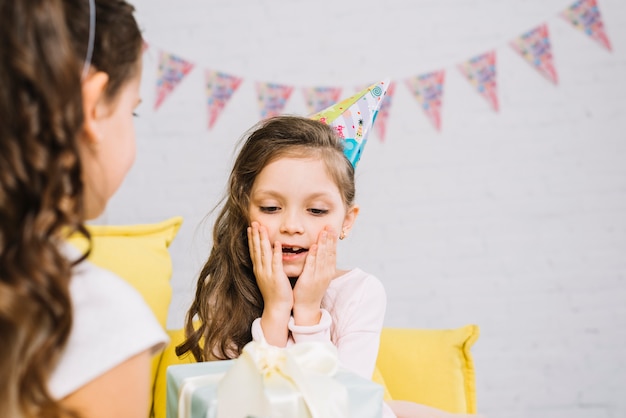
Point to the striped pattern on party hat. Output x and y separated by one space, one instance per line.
354 117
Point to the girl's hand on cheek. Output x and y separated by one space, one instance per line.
319 269
268 269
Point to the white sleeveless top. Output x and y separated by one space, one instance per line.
111 324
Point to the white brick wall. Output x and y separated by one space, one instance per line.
515 221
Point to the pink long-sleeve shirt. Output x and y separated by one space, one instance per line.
352 319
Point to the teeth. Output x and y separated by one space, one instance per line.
292 249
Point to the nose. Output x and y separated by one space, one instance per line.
291 223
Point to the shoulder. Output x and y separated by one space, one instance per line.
359 281
111 323
357 287
357 302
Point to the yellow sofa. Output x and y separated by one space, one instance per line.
432 367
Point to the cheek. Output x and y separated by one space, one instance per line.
132 153
129 145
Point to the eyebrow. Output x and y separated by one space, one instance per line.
277 194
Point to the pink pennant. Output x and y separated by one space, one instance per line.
534 46
585 15
272 98
481 72
428 90
318 98
219 89
172 70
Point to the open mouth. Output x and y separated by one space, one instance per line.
294 250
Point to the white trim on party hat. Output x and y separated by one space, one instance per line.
354 117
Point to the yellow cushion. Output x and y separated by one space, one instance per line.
169 358
431 367
378 378
138 254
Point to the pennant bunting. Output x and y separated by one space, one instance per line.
534 46
272 98
318 98
585 15
219 89
428 90
172 70
480 71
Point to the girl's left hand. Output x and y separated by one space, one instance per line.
320 268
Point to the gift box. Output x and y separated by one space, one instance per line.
274 383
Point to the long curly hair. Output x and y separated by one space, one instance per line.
227 298
43 44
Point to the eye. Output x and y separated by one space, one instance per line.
318 212
269 209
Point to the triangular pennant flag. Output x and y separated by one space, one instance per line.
380 127
219 89
172 70
585 15
481 72
354 117
318 98
428 90
272 98
534 46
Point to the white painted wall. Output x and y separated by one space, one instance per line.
515 221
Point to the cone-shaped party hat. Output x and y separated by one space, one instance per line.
353 118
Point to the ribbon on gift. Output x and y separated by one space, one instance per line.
297 381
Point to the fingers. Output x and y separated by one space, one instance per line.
327 250
321 260
277 257
254 245
260 248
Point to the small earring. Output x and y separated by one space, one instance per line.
343 234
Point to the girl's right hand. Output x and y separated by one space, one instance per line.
268 269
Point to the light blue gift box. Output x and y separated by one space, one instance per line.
365 398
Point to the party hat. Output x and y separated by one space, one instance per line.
354 117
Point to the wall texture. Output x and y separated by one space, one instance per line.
515 220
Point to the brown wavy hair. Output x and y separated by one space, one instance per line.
227 299
43 45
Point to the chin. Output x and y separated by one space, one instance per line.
293 273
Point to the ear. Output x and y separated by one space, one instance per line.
94 104
349 219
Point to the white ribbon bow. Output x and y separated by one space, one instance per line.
272 382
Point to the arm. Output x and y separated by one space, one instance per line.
123 391
299 333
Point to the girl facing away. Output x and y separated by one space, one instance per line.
76 339
271 274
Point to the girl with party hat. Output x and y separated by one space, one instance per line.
271 275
